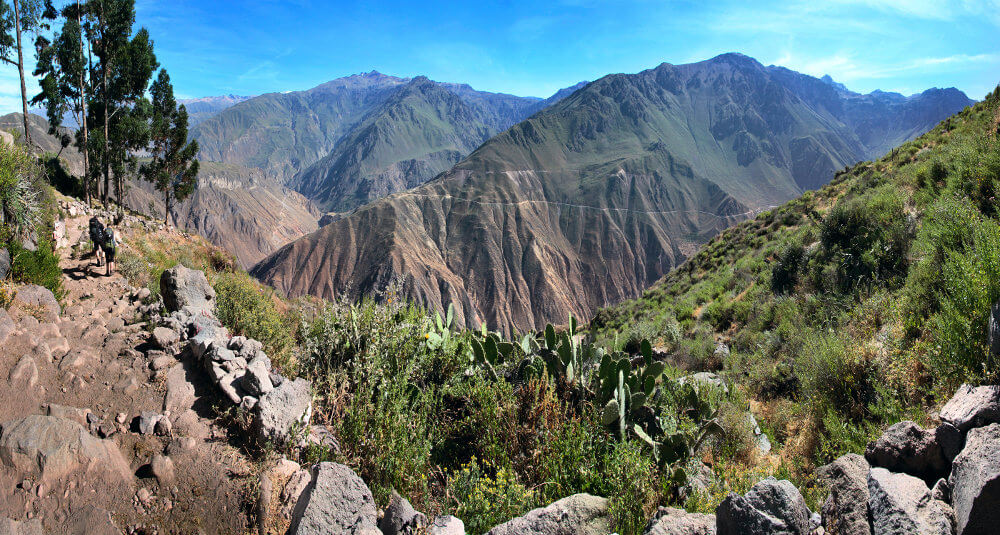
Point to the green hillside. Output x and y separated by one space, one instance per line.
847 304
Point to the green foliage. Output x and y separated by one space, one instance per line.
971 286
172 169
865 239
250 310
40 266
632 492
20 193
487 495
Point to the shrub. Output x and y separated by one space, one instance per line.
40 266
785 273
632 491
865 239
248 309
972 286
487 495
20 193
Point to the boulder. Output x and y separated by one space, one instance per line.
180 392
147 422
770 507
27 527
704 379
282 408
257 380
164 338
906 447
845 511
4 263
902 504
401 518
336 501
163 469
579 514
673 521
36 296
446 525
975 482
52 447
972 407
7 326
182 287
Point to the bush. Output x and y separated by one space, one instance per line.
632 491
785 273
487 496
39 267
21 202
865 239
972 286
248 309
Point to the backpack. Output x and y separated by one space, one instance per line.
108 240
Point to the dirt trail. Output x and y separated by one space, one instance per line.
95 357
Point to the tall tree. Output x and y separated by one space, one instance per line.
65 79
173 169
125 65
15 19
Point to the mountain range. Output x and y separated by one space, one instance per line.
596 196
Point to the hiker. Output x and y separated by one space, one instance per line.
110 245
97 238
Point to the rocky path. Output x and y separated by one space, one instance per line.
81 390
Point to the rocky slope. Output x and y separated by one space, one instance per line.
241 210
591 200
285 133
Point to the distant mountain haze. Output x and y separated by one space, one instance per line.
595 197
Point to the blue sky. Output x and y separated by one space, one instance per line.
213 47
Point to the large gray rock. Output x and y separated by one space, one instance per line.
972 407
401 518
901 504
52 447
164 338
845 511
281 409
336 501
35 296
673 521
906 447
182 287
4 263
579 514
975 482
771 507
446 525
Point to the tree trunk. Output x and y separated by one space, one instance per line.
20 70
106 160
83 113
166 215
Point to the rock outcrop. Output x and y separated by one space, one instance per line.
336 501
845 511
50 447
975 482
906 447
901 504
579 514
183 287
973 407
770 507
673 521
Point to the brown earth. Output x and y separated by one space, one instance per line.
94 357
